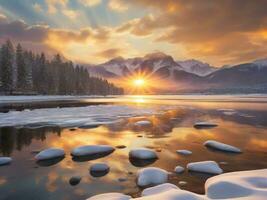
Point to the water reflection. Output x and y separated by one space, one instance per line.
168 132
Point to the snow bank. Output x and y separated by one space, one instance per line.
202 125
238 185
158 189
184 152
5 160
89 150
110 196
50 154
142 153
210 167
179 169
151 176
243 185
74 116
221 146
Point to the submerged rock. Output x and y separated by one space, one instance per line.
5 160
142 153
75 180
120 146
50 153
142 123
151 176
210 167
184 152
203 125
99 169
221 146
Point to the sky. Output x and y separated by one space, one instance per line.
219 32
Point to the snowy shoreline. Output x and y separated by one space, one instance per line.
242 185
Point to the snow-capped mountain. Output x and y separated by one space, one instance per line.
150 63
196 67
261 62
189 75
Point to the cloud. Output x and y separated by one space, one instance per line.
53 5
70 13
118 5
225 30
110 53
90 3
37 7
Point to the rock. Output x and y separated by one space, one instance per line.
50 153
202 125
120 146
179 169
210 167
158 189
184 152
88 150
142 153
75 180
99 169
151 176
221 146
5 160
122 179
142 123
110 196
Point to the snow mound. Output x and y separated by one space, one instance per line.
179 169
151 176
202 125
50 153
184 152
110 196
99 167
142 123
158 189
210 167
243 185
142 153
238 185
5 160
221 146
89 150
172 194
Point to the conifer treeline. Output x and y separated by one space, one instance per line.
24 72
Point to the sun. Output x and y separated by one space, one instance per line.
139 82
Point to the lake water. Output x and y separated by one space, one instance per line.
242 122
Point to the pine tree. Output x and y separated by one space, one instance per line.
7 55
21 69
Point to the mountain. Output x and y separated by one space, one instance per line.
119 66
196 67
189 75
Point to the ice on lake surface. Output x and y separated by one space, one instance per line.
172 127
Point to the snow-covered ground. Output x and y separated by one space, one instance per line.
74 116
40 98
244 185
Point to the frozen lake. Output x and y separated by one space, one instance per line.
241 120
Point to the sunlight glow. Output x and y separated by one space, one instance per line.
139 82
